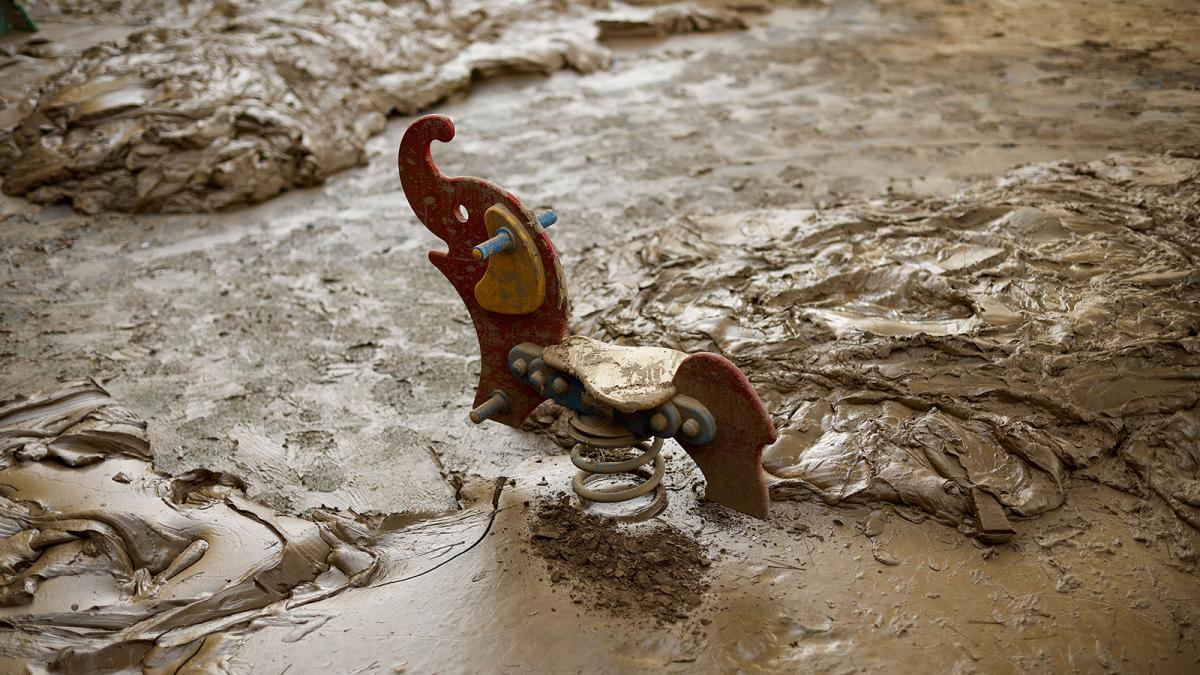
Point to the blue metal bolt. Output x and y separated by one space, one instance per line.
503 239
497 244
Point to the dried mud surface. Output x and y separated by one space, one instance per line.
295 375
231 104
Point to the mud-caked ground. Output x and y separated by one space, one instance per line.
954 245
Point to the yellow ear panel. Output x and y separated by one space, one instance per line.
515 281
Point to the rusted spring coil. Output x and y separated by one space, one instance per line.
590 472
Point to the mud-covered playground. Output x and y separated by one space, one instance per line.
895 303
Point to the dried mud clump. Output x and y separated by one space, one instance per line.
634 572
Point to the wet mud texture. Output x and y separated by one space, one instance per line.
233 103
641 570
107 565
942 355
305 348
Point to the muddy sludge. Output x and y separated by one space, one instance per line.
107 565
962 358
222 105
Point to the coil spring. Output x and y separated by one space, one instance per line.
599 434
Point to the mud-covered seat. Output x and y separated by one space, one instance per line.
627 378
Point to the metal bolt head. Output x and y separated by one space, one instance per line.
560 386
519 367
539 381
690 428
497 403
658 423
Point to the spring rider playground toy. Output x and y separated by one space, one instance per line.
507 272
